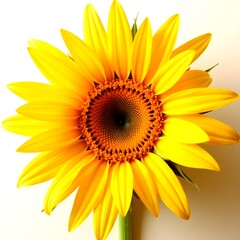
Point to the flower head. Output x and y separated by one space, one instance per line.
122 113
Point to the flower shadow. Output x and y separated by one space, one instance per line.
138 212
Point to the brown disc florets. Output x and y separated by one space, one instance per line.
121 120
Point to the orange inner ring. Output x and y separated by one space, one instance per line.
121 120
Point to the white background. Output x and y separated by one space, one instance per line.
215 210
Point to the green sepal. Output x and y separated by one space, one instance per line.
211 68
178 171
134 27
71 57
52 209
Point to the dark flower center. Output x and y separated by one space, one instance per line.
119 117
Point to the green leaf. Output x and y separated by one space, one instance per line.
211 68
52 209
134 27
178 171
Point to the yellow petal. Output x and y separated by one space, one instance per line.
92 185
188 155
96 37
119 40
141 52
197 100
184 131
30 127
144 187
46 165
66 180
46 47
198 44
24 126
87 59
190 79
106 212
50 139
171 72
33 91
122 186
167 185
218 132
162 45
58 68
49 111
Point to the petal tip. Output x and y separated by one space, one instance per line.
4 124
71 226
47 208
47 212
186 216
123 211
10 86
89 6
31 43
155 212
20 184
63 31
215 167
186 212
19 149
22 148
176 17
208 36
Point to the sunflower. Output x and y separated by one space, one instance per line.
123 111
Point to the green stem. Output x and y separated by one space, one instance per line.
125 231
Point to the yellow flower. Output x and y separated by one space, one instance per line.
116 115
